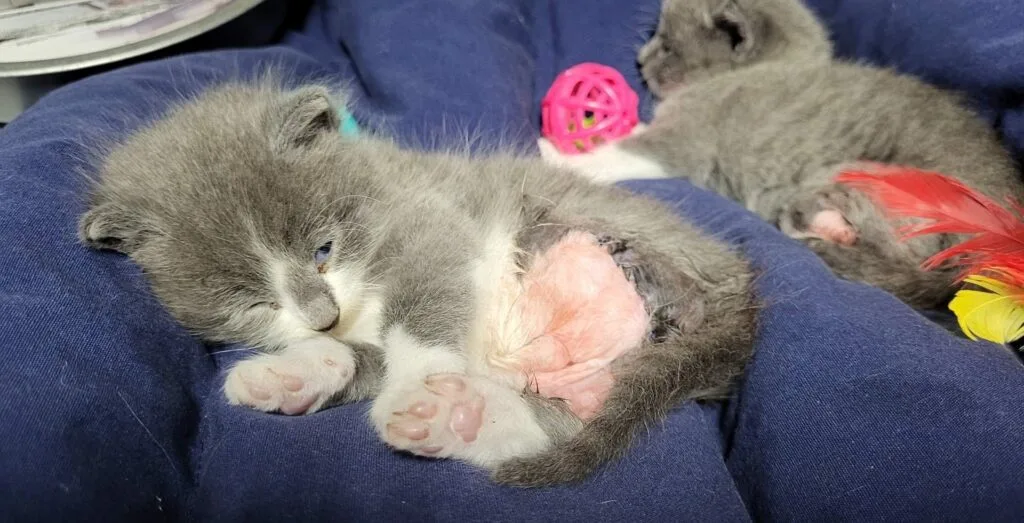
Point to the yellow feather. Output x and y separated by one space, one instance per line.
994 314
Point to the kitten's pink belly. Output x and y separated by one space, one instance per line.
580 313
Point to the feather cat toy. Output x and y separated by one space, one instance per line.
991 259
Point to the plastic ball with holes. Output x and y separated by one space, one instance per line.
588 105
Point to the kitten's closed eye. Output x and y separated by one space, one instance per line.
265 304
664 45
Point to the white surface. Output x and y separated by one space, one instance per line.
111 40
101 27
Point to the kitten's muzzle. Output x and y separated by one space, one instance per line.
652 71
332 325
315 302
321 313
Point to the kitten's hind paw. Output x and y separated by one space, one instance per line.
821 216
438 419
830 225
469 418
299 380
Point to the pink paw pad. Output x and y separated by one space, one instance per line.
258 392
446 413
291 383
413 430
297 405
465 414
830 225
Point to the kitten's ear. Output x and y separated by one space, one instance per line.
107 227
744 26
306 114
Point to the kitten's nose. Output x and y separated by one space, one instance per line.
333 324
647 50
315 303
321 313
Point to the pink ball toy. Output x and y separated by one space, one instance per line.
588 104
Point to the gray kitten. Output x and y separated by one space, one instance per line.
365 271
754 107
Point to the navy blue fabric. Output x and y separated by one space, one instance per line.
854 408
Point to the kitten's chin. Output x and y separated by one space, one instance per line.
358 304
652 84
660 89
346 321
666 90
360 321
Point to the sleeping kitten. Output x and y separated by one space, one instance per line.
755 108
364 271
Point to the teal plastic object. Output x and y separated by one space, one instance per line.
349 127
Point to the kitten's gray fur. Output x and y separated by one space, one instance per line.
755 108
224 201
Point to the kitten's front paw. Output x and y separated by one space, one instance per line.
550 154
298 380
438 419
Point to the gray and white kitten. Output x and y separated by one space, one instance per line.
365 271
755 108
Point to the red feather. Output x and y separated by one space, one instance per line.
1006 268
948 206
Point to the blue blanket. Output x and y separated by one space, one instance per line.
854 408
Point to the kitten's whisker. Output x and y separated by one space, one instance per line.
323 210
549 200
244 349
548 224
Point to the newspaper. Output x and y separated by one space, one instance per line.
32 30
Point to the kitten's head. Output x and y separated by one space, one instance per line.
246 211
697 39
